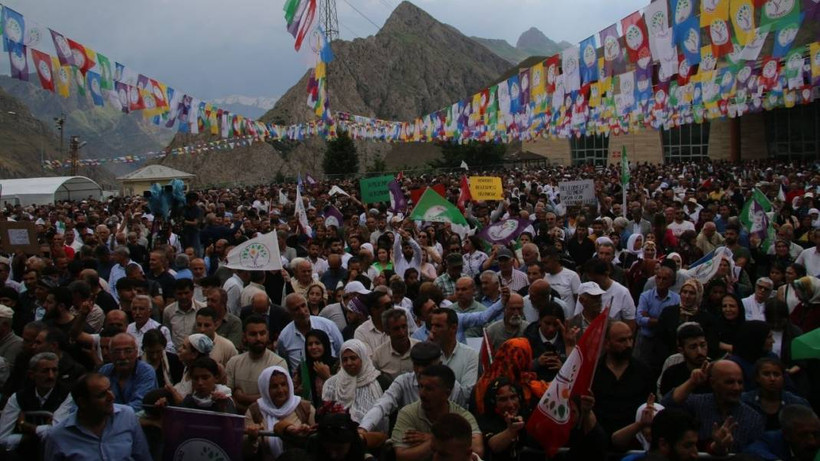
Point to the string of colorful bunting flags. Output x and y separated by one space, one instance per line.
675 63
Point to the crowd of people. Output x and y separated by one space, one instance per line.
397 339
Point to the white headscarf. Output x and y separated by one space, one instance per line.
270 411
630 243
357 393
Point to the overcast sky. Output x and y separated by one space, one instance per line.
215 48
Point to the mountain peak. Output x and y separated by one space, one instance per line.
408 14
535 43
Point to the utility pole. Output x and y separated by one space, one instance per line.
59 123
74 145
330 22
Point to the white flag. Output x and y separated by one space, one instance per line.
464 165
257 254
337 190
301 214
661 42
752 49
569 64
283 199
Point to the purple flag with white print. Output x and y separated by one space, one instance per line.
504 231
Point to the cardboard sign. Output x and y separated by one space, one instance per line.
19 236
578 193
415 194
486 188
375 189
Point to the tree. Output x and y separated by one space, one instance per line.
378 165
341 156
474 153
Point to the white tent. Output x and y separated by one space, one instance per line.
47 190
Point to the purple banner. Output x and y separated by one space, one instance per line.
504 231
333 217
196 434
398 202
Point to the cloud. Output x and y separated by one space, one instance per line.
213 48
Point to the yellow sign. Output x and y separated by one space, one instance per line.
486 188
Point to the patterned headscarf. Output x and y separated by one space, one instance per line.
514 361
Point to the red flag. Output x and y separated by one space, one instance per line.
135 98
551 67
159 93
770 72
400 176
552 419
82 58
42 62
486 354
636 38
721 38
465 195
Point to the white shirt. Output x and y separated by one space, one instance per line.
622 307
10 414
679 228
810 258
754 309
319 266
151 324
233 286
566 283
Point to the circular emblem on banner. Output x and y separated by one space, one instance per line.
770 69
254 256
611 48
634 37
62 46
18 60
683 10
45 71
719 32
786 35
589 55
14 31
79 58
192 449
743 17
434 212
778 9
657 23
95 86
692 41
33 36
503 231
123 96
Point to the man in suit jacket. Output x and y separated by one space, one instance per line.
276 316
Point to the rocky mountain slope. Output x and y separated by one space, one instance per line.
25 141
413 66
108 131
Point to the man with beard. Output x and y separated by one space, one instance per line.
97 418
693 347
732 242
512 325
392 357
244 369
130 378
798 440
621 382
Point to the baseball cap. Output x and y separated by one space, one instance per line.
6 312
504 253
356 287
425 352
590 288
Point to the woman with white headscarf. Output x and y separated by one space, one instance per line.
355 386
278 410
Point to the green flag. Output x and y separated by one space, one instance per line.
434 208
755 219
376 189
307 385
624 167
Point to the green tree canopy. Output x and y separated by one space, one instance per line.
341 156
474 153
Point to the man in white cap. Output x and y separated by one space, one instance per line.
10 343
590 297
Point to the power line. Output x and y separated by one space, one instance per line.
363 15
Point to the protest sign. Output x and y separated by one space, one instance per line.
18 236
486 188
197 434
577 193
375 189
